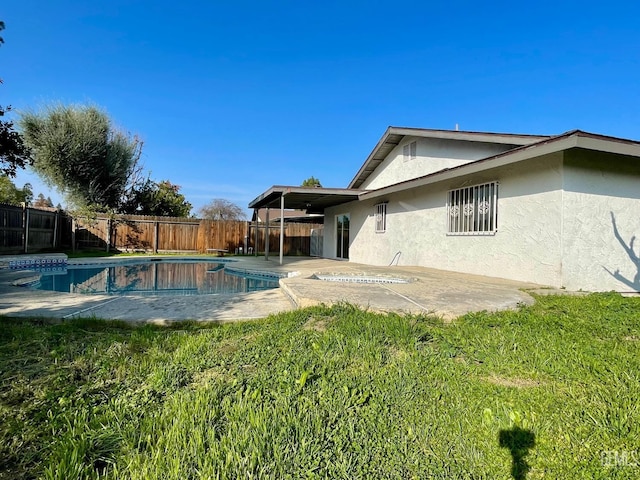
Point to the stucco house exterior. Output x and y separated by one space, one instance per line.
562 210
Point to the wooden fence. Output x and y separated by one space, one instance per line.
24 230
297 237
31 230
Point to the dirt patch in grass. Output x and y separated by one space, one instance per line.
249 368
318 324
234 344
397 354
228 347
513 382
631 338
209 375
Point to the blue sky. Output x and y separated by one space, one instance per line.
233 97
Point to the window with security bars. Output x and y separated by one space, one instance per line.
381 217
473 210
409 151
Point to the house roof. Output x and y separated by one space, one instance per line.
573 139
394 135
315 200
310 199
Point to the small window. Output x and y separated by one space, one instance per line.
381 217
409 151
473 210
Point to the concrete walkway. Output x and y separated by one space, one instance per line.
446 294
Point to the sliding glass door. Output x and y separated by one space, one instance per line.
342 236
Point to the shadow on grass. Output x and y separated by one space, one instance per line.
518 441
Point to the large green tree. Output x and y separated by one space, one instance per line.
13 153
12 195
77 150
156 198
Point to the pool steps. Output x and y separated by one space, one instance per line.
41 262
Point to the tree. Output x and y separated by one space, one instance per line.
12 195
77 150
221 209
311 182
13 153
156 198
40 202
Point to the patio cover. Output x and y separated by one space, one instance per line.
309 199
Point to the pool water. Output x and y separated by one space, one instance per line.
153 278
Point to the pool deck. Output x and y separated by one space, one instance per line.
443 293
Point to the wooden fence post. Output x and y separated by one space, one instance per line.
74 226
26 229
255 237
108 234
56 219
156 233
247 232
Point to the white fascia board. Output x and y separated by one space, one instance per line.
609 146
482 137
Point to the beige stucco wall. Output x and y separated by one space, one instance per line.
432 155
527 245
598 189
556 219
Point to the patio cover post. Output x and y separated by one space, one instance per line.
281 226
255 231
266 239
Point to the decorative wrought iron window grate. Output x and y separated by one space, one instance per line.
473 210
381 217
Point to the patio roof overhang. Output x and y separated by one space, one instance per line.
309 199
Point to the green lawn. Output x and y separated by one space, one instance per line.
549 391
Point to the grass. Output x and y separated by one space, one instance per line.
548 391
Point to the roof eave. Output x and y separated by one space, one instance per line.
371 163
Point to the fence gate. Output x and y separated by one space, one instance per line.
317 234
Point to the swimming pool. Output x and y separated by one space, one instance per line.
156 277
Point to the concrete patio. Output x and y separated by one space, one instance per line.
446 294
